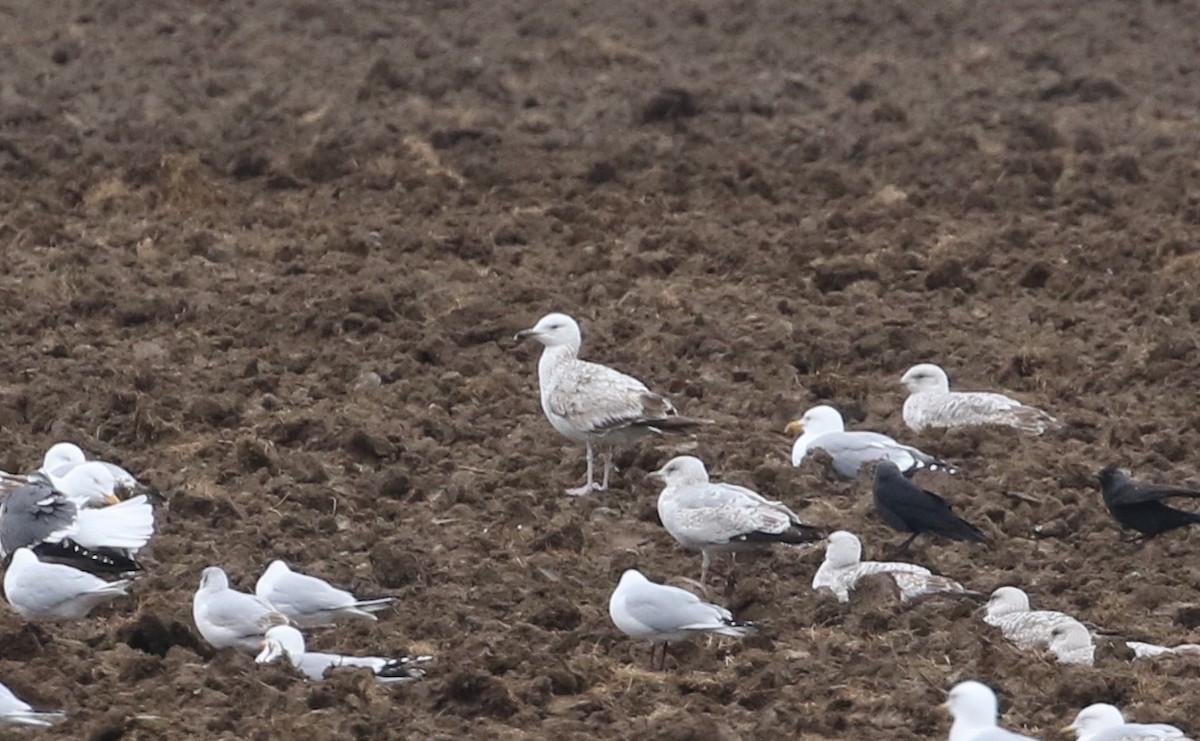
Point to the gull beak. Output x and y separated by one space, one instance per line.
111 499
794 427
656 475
1067 731
523 334
945 706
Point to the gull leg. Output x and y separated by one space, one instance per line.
608 464
704 562
590 486
662 662
731 577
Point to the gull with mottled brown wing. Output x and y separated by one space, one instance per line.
931 403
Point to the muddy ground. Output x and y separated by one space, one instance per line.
271 257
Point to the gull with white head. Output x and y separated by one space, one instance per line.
310 602
975 711
41 591
227 617
1008 610
843 567
1071 643
822 428
1103 722
931 403
591 403
285 641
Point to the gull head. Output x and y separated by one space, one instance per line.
1005 600
90 482
62 455
1069 637
972 704
214 577
843 549
280 641
818 420
553 330
925 377
1093 719
682 470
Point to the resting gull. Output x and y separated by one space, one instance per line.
722 518
226 617
1152 651
591 403
1138 505
284 640
15 711
1071 643
660 613
823 428
1008 610
50 591
36 516
310 602
975 711
907 508
843 567
1103 722
931 403
62 457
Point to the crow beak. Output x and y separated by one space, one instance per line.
794 427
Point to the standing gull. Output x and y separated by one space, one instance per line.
1103 722
823 428
310 602
50 591
1071 643
285 641
591 403
931 403
659 613
1139 505
226 617
722 518
843 567
908 508
15 711
975 710
1008 610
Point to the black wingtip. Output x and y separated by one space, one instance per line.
97 561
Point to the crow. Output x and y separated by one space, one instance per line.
1138 505
908 508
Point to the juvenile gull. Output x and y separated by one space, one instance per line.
226 617
1138 505
1071 643
1152 651
823 428
49 591
907 508
310 602
591 403
1103 722
1008 610
659 613
285 641
931 403
36 516
721 518
843 567
15 711
975 710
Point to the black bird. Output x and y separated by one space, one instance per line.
1138 506
906 507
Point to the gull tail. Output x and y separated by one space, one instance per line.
128 525
372 605
673 423
41 718
796 534
95 561
735 628
402 670
1032 420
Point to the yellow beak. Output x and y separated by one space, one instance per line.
1067 731
111 499
794 427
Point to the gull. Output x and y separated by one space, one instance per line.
591 403
931 403
1138 505
975 710
1008 610
843 567
62 457
908 508
50 592
1103 722
310 602
36 516
1071 643
1151 651
659 613
284 640
226 617
88 485
722 518
823 428
15 711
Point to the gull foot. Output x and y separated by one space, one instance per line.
587 488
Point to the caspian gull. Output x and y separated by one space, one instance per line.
823 428
310 602
227 617
907 508
660 613
51 592
722 518
975 711
1103 722
285 641
591 403
1008 610
15 711
1138 505
843 567
931 403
